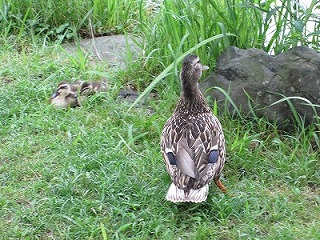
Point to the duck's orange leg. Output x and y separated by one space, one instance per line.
220 185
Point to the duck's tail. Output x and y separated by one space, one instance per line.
194 195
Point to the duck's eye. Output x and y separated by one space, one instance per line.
62 88
196 62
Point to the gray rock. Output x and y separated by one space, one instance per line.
115 50
255 81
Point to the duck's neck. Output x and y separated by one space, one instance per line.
189 91
191 100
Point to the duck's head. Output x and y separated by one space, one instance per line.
88 88
191 69
63 90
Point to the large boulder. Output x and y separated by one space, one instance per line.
279 88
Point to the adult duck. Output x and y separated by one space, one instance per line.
192 141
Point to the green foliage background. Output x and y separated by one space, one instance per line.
96 172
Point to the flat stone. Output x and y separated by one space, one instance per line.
115 50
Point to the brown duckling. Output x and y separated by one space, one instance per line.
89 88
65 96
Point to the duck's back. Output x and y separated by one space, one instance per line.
193 149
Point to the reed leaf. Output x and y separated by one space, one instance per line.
167 70
228 99
295 113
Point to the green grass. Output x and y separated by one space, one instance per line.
96 172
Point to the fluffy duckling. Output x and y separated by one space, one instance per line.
66 93
74 87
65 96
192 141
89 88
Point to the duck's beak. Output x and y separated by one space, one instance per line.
55 94
204 67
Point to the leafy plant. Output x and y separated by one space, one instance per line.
61 20
270 25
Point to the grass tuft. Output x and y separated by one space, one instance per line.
96 172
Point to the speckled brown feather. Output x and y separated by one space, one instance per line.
201 131
194 128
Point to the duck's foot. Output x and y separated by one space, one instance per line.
220 185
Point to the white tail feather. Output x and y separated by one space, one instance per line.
195 195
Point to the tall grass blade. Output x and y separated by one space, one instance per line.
296 115
229 99
166 71
103 230
82 21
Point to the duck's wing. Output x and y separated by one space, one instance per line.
190 145
210 150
